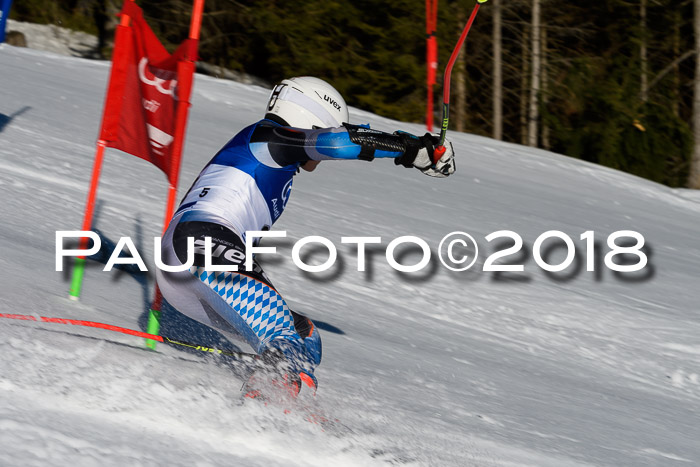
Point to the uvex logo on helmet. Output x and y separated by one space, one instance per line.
331 101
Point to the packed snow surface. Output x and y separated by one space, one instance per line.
427 368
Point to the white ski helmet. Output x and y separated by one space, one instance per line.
307 102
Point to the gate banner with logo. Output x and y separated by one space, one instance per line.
146 87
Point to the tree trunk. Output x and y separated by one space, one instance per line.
523 86
694 181
104 15
535 82
545 90
461 81
497 72
643 50
676 68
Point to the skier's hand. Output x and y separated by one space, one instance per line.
444 167
420 153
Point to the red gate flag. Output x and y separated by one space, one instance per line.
145 89
145 113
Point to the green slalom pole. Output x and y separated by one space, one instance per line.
77 280
153 327
154 314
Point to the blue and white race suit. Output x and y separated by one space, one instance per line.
246 187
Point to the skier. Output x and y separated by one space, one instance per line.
245 187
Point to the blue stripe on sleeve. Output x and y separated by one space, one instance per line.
337 145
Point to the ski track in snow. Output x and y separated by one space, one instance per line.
431 368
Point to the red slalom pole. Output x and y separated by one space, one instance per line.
431 8
77 322
131 332
185 72
79 265
440 149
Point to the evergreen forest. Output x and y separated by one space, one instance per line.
611 82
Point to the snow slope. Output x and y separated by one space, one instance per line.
427 368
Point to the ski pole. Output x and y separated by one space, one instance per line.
109 327
440 149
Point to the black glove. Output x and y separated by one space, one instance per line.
420 152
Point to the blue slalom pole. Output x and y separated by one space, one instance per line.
4 13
